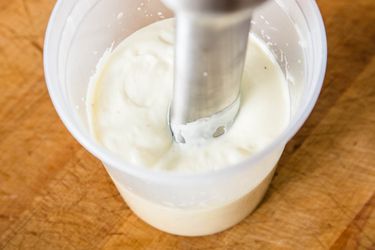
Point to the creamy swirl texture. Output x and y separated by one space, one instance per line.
131 91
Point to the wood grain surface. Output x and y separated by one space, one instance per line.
55 195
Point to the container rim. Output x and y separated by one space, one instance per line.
112 160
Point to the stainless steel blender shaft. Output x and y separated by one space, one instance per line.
211 43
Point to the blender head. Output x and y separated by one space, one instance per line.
211 43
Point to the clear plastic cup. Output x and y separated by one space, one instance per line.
78 34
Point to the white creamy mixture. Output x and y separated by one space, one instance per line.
129 98
128 102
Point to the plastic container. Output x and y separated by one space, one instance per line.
186 204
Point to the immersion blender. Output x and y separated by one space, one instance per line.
210 49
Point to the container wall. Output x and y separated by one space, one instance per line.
202 192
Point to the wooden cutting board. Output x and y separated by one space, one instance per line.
55 195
